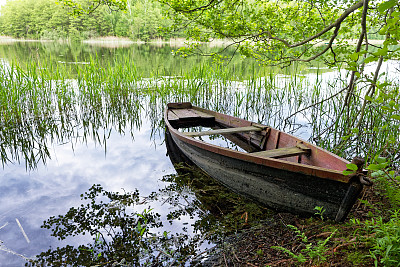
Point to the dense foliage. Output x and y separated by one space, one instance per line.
337 33
49 20
283 32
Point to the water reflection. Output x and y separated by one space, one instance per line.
194 204
123 234
51 189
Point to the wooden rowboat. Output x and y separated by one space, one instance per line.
271 167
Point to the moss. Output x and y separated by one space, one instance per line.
356 258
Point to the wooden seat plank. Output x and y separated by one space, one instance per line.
204 115
185 114
172 116
182 105
284 152
225 131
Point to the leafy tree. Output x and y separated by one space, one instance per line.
78 20
286 31
283 32
16 22
82 7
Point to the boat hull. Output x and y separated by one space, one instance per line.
276 188
307 178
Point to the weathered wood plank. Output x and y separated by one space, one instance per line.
172 116
203 114
284 152
179 105
185 114
304 147
225 131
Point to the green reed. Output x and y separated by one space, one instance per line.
25 102
46 101
39 104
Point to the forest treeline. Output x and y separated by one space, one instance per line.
46 19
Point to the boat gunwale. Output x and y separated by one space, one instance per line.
320 172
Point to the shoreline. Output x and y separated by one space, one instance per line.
114 42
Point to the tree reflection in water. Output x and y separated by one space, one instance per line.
122 236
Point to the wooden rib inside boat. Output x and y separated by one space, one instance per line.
274 168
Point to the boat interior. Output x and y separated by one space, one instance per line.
257 139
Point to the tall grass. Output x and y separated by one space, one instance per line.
39 105
52 102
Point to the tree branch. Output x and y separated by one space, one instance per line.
315 104
345 14
371 89
202 8
358 49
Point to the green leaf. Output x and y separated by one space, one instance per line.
348 172
373 167
383 30
352 166
354 56
382 52
367 97
142 232
390 41
380 160
377 174
370 59
395 116
386 5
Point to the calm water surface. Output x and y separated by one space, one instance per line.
33 196
128 159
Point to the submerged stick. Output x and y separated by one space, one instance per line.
22 230
4 225
6 249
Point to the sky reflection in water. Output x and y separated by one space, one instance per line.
51 189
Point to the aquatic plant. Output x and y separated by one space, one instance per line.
103 95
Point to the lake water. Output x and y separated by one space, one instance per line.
33 196
129 156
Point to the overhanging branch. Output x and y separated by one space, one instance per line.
335 24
